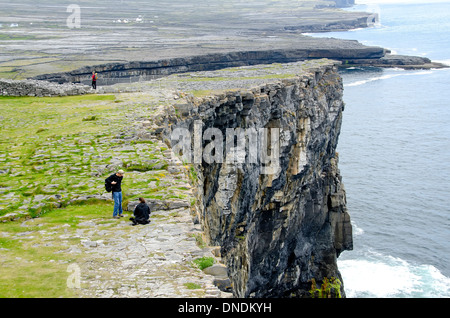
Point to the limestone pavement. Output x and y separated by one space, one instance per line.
152 260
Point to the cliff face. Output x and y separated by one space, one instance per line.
308 48
350 53
281 222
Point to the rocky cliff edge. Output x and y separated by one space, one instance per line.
274 201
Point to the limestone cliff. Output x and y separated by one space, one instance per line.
308 48
278 229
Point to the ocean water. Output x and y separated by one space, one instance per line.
395 157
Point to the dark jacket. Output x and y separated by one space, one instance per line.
115 187
142 212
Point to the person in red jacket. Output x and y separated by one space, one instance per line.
94 80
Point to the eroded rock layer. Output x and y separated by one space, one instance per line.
281 222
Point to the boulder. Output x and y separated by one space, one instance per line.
219 270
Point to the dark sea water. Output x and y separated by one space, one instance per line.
395 158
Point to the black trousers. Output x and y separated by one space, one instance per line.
139 221
94 84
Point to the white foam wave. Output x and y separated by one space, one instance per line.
386 276
356 230
356 29
373 79
388 76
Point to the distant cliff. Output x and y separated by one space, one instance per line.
281 223
310 48
350 53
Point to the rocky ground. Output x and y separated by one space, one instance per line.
115 259
153 260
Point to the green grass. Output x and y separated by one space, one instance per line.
54 116
33 261
201 93
192 286
8 37
204 262
199 240
55 146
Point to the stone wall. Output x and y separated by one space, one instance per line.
40 88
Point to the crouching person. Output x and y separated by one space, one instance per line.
141 213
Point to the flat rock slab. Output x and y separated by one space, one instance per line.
152 260
216 270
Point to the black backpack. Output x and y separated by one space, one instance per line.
108 186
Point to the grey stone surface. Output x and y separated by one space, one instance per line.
216 270
142 261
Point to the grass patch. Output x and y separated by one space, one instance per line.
59 116
33 280
204 262
16 37
199 240
192 286
90 118
201 93
48 149
33 260
143 167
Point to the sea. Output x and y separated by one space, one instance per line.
394 152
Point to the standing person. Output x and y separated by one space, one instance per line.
141 213
116 188
94 80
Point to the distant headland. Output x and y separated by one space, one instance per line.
135 39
